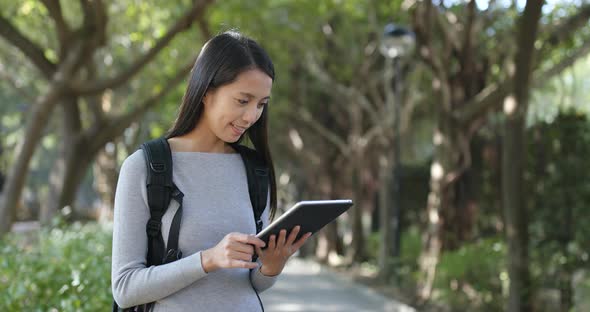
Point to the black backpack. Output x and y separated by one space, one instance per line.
161 190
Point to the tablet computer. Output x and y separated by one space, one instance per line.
310 215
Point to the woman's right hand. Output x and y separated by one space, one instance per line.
235 250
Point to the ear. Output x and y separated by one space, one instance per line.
208 98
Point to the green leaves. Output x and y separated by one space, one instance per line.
66 268
471 276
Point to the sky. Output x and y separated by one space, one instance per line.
549 4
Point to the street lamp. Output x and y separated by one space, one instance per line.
396 43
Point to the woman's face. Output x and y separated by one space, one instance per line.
233 108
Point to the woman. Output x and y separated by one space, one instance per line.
226 98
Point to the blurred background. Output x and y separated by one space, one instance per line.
460 129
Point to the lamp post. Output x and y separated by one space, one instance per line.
396 43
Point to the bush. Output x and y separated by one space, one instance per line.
66 268
406 267
473 277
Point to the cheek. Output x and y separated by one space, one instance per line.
223 112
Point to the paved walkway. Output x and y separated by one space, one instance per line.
306 286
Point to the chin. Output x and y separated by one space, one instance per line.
232 140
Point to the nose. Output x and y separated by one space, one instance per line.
250 115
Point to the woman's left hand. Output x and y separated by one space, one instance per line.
275 256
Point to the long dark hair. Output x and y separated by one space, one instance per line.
221 60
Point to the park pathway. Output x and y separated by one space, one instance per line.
305 286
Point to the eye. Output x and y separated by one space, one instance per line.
242 102
261 105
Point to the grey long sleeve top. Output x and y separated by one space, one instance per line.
216 202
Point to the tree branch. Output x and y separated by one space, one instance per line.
422 20
373 92
24 92
448 28
377 129
95 21
181 25
37 121
568 26
543 77
94 102
306 118
62 28
118 124
204 27
387 122
493 96
348 92
27 47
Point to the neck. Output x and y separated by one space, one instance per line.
200 139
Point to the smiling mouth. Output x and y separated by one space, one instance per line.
238 130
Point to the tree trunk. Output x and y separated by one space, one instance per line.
567 270
358 251
386 228
79 52
446 208
439 201
105 180
515 216
24 152
67 176
459 218
70 129
335 245
330 240
566 291
513 162
446 170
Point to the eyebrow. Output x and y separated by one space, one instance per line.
250 95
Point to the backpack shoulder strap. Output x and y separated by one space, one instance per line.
258 181
160 190
159 184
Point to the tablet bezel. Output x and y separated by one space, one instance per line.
278 224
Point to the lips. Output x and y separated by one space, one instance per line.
238 130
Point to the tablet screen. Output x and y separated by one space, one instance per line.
310 215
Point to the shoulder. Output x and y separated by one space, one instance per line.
249 154
134 164
132 176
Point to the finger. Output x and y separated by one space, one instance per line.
243 264
247 239
255 241
241 247
301 241
234 255
282 236
259 252
272 242
293 235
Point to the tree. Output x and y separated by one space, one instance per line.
513 161
455 42
357 119
66 85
